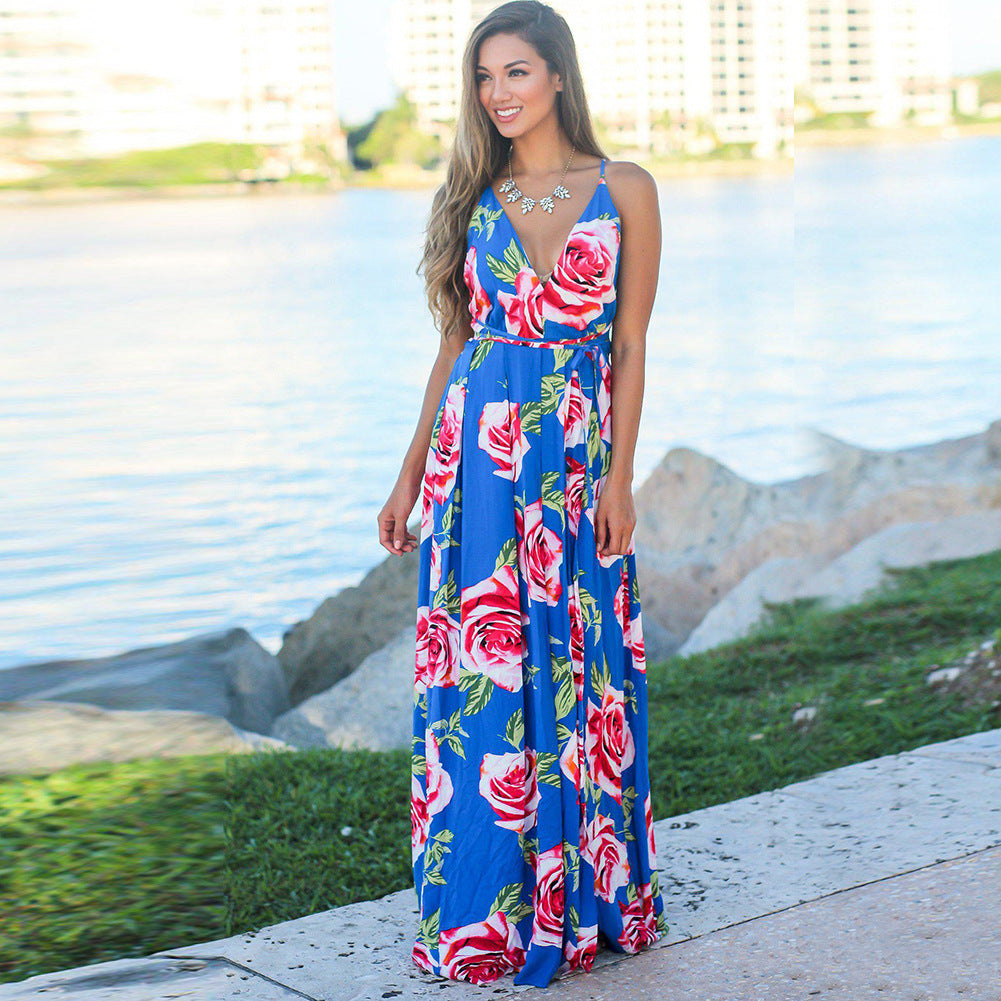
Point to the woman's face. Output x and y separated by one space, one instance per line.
511 74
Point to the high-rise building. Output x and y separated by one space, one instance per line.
887 59
98 78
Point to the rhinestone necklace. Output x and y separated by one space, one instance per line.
527 204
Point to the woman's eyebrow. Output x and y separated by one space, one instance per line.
508 65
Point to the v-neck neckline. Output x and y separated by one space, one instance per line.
566 242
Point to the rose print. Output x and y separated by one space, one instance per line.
492 639
608 743
581 953
540 554
419 819
605 398
502 439
439 783
449 444
583 281
548 898
481 952
576 479
607 856
523 310
437 653
570 758
576 639
509 783
421 956
634 640
479 298
574 413
639 921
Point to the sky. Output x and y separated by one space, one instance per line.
366 85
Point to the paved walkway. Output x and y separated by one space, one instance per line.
876 880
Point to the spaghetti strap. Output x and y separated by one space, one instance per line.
602 167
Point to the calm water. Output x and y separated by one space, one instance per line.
204 403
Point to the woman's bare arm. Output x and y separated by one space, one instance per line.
393 534
635 195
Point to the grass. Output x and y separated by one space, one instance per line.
110 861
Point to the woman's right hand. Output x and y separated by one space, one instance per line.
393 534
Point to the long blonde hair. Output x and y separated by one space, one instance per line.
479 151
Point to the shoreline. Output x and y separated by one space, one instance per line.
409 178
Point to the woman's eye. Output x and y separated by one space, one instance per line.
481 77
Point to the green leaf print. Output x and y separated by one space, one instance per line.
574 917
553 496
434 857
447 595
553 388
480 353
508 555
545 762
631 894
419 765
506 270
451 731
483 219
507 899
566 701
530 416
563 732
561 356
593 435
571 862
514 734
478 688
429 930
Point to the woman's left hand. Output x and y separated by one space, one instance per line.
614 519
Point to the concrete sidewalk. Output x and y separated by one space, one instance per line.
879 879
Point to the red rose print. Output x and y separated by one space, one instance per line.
491 631
634 640
419 819
509 783
439 783
570 758
574 492
437 653
523 310
648 815
607 856
548 897
479 298
576 639
574 412
502 439
584 278
422 957
449 444
605 398
639 921
608 743
481 952
540 554
581 953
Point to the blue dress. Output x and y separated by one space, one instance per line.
532 828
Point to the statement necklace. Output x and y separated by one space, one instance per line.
527 204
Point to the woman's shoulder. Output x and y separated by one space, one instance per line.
632 187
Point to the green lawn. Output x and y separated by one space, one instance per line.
102 862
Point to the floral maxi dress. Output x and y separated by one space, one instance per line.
532 828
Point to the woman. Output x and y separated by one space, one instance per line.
530 802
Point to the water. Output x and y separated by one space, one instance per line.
204 403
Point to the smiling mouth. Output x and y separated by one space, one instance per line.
507 117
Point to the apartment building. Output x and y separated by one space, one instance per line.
887 59
98 78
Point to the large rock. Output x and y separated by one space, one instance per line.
701 528
39 736
847 578
224 673
371 708
350 625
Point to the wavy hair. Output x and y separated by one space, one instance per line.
479 151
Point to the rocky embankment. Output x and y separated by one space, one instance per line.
713 549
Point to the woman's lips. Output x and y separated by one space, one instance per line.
507 118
